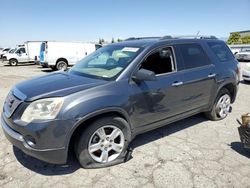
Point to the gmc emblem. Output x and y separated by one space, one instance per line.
10 100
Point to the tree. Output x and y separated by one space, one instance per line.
113 40
234 38
245 39
101 41
119 40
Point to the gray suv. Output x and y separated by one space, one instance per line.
116 93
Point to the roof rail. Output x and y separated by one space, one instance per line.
174 37
140 38
196 37
166 37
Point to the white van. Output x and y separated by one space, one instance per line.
60 55
26 53
3 51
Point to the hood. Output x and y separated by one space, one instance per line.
56 84
8 55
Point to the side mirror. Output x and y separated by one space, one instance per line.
144 75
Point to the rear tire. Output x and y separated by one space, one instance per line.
13 62
61 65
221 107
110 149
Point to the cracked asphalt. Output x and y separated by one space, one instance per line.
193 152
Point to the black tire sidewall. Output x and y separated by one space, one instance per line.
61 62
212 114
81 146
11 62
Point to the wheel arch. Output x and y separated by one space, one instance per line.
84 122
232 88
13 59
62 59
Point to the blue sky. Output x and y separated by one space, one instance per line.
82 20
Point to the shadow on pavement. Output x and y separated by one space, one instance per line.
21 65
44 168
167 130
245 82
238 147
46 70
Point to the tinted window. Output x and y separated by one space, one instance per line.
159 62
222 52
193 55
21 50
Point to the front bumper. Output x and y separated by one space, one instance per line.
4 58
55 156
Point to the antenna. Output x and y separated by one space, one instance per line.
197 34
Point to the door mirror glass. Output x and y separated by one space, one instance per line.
144 75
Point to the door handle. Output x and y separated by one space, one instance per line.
177 84
211 75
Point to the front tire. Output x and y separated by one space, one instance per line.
61 65
103 143
13 62
221 107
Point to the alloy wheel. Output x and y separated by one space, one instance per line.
223 106
106 144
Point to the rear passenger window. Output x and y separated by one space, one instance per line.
193 55
221 51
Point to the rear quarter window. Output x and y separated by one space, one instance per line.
193 55
221 51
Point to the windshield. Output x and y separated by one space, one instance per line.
245 50
6 49
12 51
107 62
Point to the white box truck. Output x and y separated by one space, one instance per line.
60 55
26 53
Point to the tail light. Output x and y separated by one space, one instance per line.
238 71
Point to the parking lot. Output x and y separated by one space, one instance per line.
193 152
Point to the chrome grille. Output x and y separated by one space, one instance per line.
10 105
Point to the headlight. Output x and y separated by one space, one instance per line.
42 109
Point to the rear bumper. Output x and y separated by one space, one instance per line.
44 64
246 75
245 58
55 156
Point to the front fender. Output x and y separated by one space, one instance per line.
9 57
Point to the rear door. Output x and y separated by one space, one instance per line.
198 77
42 55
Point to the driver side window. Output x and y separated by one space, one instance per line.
20 51
160 61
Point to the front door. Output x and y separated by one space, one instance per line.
22 55
157 100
